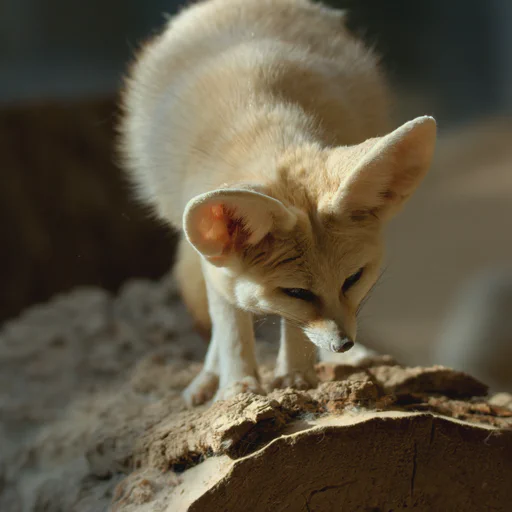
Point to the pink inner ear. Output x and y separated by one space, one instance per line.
213 226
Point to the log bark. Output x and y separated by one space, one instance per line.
384 438
374 461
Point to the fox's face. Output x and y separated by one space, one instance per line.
311 251
314 276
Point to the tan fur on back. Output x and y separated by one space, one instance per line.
230 84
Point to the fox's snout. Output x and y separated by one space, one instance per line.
328 335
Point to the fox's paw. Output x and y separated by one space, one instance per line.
296 379
247 384
201 389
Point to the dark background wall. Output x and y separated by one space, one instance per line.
456 52
66 217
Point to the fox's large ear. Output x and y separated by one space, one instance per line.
389 172
220 224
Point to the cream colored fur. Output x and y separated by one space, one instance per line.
260 129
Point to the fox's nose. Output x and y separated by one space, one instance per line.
342 345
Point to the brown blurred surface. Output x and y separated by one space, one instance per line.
457 225
66 215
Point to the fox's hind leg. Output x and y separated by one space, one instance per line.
189 276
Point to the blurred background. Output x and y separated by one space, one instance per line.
67 218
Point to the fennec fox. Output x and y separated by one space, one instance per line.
260 129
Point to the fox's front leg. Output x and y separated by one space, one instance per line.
203 388
230 364
234 334
296 359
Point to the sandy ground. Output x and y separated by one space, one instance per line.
71 360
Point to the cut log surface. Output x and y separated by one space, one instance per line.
92 419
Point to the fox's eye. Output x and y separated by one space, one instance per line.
300 293
351 280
